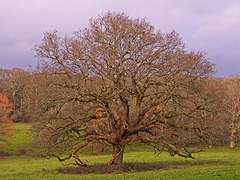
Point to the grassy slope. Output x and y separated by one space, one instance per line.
221 163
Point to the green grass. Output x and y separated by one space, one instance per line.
215 163
20 141
220 163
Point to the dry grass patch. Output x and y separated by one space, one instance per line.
131 167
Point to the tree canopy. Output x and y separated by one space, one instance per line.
117 81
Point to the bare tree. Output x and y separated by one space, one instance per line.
13 85
217 121
145 83
230 101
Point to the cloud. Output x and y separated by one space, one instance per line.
207 25
219 24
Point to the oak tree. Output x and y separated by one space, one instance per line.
146 84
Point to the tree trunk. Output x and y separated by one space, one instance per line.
232 140
232 137
117 156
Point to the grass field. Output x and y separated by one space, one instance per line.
20 141
214 163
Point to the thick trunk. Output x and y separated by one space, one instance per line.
117 156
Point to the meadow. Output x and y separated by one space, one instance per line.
213 163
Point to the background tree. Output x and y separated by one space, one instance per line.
215 122
13 84
5 122
5 74
230 102
147 85
16 87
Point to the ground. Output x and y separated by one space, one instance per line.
214 163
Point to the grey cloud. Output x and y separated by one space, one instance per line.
212 26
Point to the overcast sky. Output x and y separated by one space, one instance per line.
212 26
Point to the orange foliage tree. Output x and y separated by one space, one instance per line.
5 123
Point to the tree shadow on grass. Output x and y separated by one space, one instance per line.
131 167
